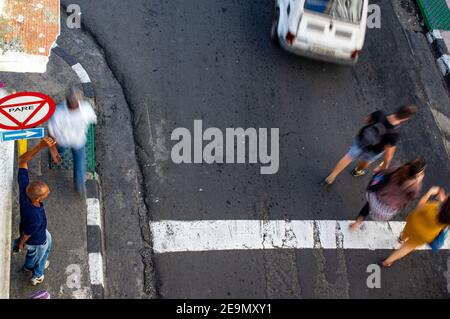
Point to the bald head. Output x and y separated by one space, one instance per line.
37 191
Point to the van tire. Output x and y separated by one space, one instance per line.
274 28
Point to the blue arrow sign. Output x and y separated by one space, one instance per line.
21 135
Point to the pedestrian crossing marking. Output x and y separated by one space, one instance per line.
212 235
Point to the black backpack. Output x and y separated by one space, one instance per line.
372 134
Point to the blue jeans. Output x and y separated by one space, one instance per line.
79 167
37 255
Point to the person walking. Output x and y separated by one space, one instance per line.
391 190
33 220
69 126
377 138
424 224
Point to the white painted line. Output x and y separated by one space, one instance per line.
81 72
433 35
96 268
6 201
93 212
209 235
444 64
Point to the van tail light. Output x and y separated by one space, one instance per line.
290 38
355 54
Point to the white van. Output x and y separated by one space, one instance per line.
327 30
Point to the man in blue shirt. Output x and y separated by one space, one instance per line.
33 222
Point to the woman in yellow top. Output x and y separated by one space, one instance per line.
424 224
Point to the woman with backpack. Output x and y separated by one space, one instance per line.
391 190
426 224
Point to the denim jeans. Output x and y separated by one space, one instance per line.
37 255
356 152
79 167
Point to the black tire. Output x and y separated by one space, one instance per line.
274 27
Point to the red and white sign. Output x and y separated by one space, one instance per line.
25 110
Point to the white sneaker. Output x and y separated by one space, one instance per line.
37 280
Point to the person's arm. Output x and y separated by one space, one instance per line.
389 152
435 190
23 239
25 158
54 153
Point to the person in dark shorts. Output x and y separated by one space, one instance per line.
378 138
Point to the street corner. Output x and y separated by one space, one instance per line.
225 150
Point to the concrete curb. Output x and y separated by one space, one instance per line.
441 51
94 221
6 202
85 81
95 238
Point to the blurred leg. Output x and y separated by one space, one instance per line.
341 165
404 250
79 169
362 215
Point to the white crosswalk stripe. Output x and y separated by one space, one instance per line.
209 235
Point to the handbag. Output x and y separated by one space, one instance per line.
439 241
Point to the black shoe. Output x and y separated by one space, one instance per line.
356 172
325 183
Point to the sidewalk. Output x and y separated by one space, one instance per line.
68 275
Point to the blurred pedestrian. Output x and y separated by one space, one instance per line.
33 220
424 224
69 126
377 138
391 190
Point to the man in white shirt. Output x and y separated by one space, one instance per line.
69 127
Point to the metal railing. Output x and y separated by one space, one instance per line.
436 14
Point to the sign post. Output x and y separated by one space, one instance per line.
22 147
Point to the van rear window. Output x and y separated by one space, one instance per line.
346 10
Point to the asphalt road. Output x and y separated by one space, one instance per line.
179 61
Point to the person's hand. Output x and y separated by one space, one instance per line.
56 157
434 190
21 246
47 142
442 196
